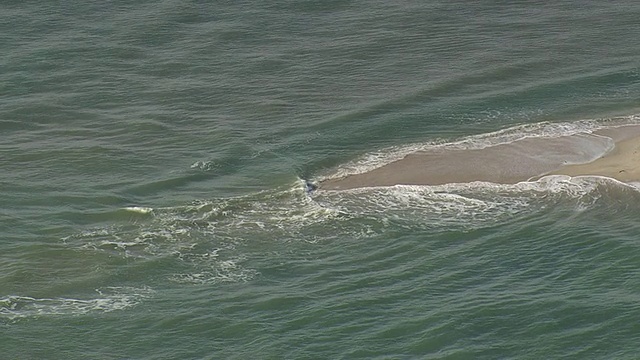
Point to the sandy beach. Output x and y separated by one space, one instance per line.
613 152
622 163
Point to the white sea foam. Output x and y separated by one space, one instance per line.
108 299
472 205
203 165
139 209
213 239
215 272
223 264
207 233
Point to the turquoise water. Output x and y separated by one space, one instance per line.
152 203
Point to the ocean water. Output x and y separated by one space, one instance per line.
152 202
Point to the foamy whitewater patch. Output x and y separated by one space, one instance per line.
136 240
207 271
203 165
473 205
216 241
139 209
212 239
376 159
108 299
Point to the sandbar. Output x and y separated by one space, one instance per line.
611 152
622 163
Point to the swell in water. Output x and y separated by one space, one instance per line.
219 241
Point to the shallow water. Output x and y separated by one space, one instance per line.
152 157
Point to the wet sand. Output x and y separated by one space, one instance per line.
613 152
622 163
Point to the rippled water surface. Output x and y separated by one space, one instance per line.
153 158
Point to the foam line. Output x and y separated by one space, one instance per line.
109 299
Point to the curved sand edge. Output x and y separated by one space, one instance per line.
622 163
523 160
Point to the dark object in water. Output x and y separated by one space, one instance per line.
309 187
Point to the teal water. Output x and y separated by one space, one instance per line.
152 204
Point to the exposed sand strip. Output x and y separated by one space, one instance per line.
613 152
623 163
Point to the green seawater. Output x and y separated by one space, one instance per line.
152 203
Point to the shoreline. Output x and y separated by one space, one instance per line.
621 163
612 152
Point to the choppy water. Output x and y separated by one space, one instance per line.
152 207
